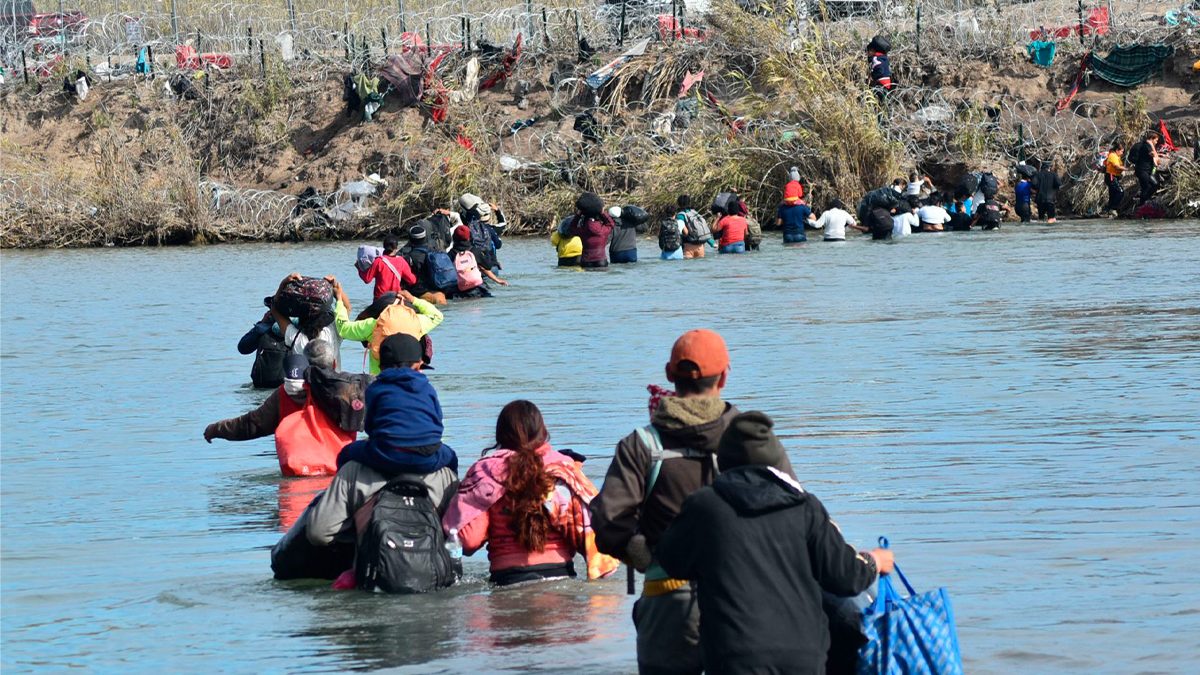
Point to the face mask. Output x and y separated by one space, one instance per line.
293 387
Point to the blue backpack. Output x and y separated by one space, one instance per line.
440 270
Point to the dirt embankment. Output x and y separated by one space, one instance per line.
135 165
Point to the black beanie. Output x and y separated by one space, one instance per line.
749 441
590 204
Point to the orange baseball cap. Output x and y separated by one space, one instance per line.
699 353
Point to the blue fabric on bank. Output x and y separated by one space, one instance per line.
909 636
1042 53
403 412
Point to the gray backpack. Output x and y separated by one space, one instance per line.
698 230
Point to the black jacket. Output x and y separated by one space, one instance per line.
761 550
1046 183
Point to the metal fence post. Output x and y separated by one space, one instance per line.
175 21
1081 40
292 15
400 9
621 39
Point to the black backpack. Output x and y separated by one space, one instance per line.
438 231
402 549
668 236
988 185
267 371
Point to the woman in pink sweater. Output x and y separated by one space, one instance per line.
528 504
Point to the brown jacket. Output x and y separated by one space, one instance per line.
618 511
255 424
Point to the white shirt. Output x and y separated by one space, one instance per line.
933 214
834 221
903 223
298 340
914 188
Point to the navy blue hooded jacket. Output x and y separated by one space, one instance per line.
404 422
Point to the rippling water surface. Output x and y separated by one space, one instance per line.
1017 411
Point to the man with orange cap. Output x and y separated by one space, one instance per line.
653 470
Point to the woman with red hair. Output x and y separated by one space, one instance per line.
528 504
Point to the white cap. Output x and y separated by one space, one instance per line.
614 212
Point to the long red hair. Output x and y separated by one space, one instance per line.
520 428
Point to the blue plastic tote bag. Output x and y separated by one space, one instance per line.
911 635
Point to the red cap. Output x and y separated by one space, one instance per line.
793 192
462 232
699 353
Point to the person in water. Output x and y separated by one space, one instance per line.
834 221
390 271
416 253
593 227
304 419
731 228
297 335
528 504
653 470
793 215
472 263
266 343
404 420
761 550
411 314
568 246
693 228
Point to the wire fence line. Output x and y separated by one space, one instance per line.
939 122
922 28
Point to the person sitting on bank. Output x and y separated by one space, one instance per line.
389 271
528 504
404 420
568 246
306 421
761 550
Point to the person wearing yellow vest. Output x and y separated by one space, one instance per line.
1113 168
653 470
399 313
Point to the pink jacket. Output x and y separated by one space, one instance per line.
480 514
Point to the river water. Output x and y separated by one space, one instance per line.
1017 411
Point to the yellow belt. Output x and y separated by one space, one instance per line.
658 587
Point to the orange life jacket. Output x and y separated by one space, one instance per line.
307 441
395 318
